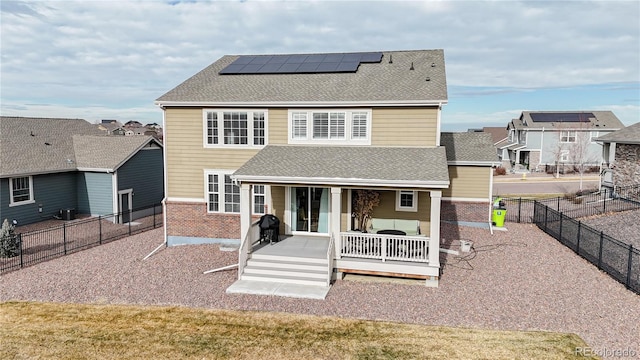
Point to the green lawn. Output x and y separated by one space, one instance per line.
72 331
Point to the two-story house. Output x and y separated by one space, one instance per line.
621 153
298 136
538 140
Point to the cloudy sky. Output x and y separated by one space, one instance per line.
112 59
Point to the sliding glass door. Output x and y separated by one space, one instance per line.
310 209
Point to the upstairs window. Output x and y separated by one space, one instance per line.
21 190
329 127
568 136
235 128
406 201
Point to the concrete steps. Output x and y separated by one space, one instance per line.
286 269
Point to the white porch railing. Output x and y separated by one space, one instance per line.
253 235
330 256
385 247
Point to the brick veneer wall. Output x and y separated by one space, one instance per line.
627 171
465 211
192 220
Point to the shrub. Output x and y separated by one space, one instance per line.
9 242
500 170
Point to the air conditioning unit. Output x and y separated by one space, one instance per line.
68 214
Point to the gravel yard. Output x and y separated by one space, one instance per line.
624 226
520 279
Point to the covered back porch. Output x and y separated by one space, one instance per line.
406 195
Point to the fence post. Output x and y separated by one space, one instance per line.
154 216
558 204
546 212
600 250
129 223
100 229
604 203
578 239
519 208
64 237
560 228
20 242
628 284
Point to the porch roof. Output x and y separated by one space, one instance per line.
414 167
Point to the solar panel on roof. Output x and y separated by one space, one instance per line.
561 117
300 63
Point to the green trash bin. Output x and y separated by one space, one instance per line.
497 217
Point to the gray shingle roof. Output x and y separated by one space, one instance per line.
628 135
376 82
348 165
106 152
604 120
30 146
473 147
39 145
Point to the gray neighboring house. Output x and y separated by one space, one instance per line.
62 167
539 139
621 153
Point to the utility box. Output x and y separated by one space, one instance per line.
68 214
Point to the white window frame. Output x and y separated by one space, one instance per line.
564 156
566 136
221 191
414 200
218 141
301 127
255 195
31 200
593 135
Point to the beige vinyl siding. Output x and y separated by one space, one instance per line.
278 126
404 126
387 209
469 182
187 158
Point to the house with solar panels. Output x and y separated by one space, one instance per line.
318 165
544 140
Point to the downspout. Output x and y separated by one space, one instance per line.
164 199
438 125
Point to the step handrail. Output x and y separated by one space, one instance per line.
330 256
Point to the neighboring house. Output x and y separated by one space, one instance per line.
500 139
621 153
49 165
539 140
112 127
298 136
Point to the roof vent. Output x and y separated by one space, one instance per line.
32 134
390 58
46 143
433 64
411 68
428 79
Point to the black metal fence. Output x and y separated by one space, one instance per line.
72 236
521 210
621 261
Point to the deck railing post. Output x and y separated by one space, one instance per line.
64 237
600 250
628 283
383 251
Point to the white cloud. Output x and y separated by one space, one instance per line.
125 56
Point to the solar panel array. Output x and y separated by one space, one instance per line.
300 64
562 117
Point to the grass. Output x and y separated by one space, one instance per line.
72 331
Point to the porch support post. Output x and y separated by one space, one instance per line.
434 233
336 205
245 210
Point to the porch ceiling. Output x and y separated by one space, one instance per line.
416 167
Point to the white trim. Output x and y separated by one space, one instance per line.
101 170
327 182
221 194
463 199
165 175
187 200
414 201
114 194
400 103
438 124
220 121
348 127
31 200
474 163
